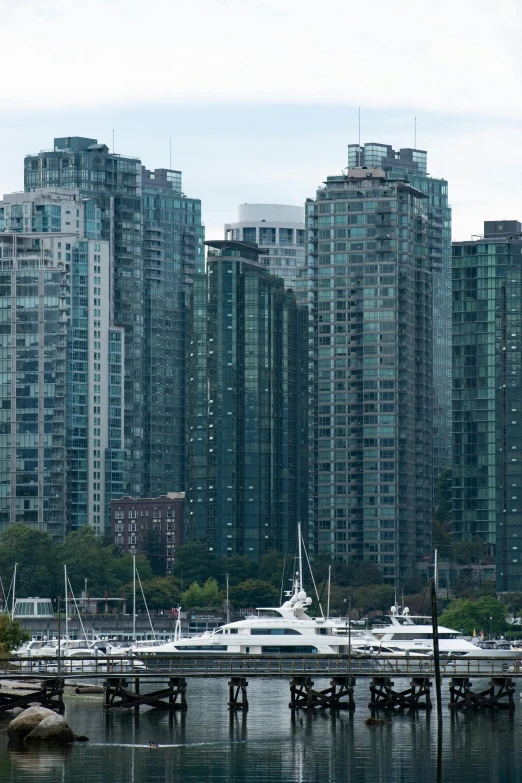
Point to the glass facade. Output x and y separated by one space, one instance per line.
172 253
114 182
411 164
246 417
371 269
88 420
487 384
33 288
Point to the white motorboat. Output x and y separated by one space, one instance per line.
413 632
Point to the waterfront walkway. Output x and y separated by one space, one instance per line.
225 665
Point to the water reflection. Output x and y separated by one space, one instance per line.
270 744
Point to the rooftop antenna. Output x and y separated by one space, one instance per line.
359 149
415 140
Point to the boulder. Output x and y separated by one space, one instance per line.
54 728
24 723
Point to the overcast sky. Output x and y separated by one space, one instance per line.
260 97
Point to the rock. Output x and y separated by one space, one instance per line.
24 723
376 722
90 689
81 738
51 729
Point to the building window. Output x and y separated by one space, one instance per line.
119 515
133 514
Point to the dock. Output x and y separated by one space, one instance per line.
167 680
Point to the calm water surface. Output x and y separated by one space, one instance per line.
267 745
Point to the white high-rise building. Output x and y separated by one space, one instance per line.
278 229
62 397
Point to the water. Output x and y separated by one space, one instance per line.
268 746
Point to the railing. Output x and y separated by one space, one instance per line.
224 664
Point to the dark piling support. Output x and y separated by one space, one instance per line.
119 696
49 694
384 696
499 695
339 696
237 690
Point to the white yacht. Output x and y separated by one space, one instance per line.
285 629
411 633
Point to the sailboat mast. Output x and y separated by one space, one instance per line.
14 591
300 556
134 598
436 570
329 587
66 603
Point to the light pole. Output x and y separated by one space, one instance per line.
490 627
228 607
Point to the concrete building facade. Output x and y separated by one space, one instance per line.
279 231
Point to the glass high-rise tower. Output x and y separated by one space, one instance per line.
172 253
247 452
62 439
487 395
114 182
412 164
368 242
154 234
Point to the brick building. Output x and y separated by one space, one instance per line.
149 526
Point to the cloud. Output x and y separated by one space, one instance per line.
451 55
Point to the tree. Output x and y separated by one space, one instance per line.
207 597
372 597
366 573
153 546
468 616
12 635
122 569
160 593
194 563
272 565
86 557
35 553
468 552
254 592
239 568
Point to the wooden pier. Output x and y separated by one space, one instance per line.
163 682
499 694
47 693
383 694
339 696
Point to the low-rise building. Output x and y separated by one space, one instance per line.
149 526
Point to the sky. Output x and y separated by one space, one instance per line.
260 97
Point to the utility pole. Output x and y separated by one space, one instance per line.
228 606
436 658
